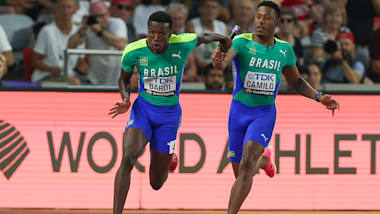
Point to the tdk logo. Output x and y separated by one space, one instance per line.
13 149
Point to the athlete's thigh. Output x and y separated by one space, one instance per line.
164 139
164 132
139 118
261 128
134 142
237 126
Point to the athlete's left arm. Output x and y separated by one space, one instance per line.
295 80
207 37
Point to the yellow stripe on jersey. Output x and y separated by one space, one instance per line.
133 46
280 41
244 35
186 37
249 37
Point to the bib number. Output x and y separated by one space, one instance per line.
160 86
260 83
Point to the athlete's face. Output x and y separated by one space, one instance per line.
266 21
158 36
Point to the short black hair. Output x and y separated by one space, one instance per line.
161 16
273 5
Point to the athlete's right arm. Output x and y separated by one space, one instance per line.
125 84
125 91
220 59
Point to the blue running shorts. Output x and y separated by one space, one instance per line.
159 123
247 123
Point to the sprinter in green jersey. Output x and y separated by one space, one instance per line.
156 113
258 60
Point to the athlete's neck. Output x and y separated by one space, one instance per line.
267 41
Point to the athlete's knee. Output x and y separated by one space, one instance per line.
131 152
250 158
247 167
128 162
129 159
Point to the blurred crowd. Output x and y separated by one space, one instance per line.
335 41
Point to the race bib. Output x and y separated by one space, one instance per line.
260 83
160 86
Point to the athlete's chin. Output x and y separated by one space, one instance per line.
260 33
157 49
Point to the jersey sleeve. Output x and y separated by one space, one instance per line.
190 41
128 60
291 57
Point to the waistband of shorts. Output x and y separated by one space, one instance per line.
238 104
157 108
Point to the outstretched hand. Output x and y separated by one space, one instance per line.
329 102
119 108
218 57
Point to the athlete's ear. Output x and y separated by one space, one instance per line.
278 21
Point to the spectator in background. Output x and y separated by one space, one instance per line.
123 9
374 51
287 27
333 19
48 53
360 20
307 13
3 67
209 11
6 48
342 66
40 7
9 6
314 76
17 3
31 8
243 12
179 13
100 31
214 78
83 8
142 13
194 5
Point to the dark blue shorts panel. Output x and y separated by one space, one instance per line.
159 123
249 124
